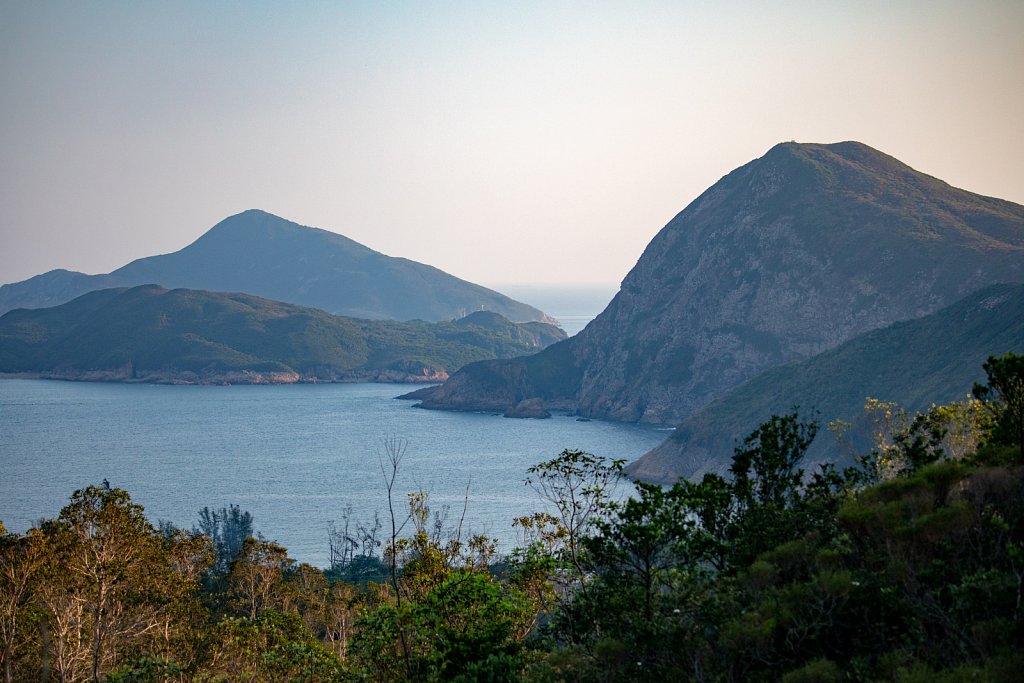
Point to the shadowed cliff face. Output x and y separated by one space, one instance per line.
785 257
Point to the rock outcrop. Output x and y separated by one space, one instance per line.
785 257
531 408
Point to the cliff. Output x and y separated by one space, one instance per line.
787 256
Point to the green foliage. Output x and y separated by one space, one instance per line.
227 528
360 570
1004 397
579 485
818 671
22 561
151 333
901 364
256 576
764 468
455 628
470 618
767 487
447 615
272 647
773 575
147 670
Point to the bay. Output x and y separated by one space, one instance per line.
293 455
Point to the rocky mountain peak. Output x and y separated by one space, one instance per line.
785 257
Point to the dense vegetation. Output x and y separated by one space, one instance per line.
907 567
901 363
149 332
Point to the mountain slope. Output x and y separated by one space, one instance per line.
934 359
149 333
260 254
785 257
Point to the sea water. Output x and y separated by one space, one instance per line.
295 456
574 306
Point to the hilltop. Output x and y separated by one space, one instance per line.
261 254
786 257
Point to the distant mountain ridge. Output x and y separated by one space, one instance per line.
261 254
152 334
785 257
933 359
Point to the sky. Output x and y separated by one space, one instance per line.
504 142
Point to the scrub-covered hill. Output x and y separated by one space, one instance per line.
150 333
934 359
261 254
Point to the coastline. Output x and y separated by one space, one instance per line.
238 377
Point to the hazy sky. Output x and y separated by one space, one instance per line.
503 142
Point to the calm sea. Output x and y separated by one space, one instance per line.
294 455
574 306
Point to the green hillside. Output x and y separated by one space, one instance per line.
934 359
149 333
262 254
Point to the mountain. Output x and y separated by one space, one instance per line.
149 333
934 359
260 254
787 256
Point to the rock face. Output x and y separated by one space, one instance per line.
267 256
152 334
934 359
785 257
532 408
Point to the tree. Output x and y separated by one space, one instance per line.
228 528
1004 397
578 485
446 614
353 543
966 423
764 467
274 646
641 540
767 486
21 561
468 618
712 503
108 583
256 575
341 610
390 460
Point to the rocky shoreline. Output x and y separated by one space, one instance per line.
239 377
